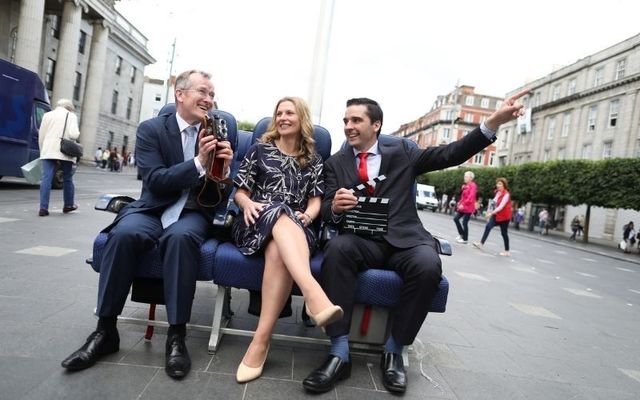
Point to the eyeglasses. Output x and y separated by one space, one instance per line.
202 92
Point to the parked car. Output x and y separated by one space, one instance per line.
426 197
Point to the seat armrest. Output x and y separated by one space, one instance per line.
112 202
224 218
443 246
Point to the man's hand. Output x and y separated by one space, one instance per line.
208 143
343 200
509 111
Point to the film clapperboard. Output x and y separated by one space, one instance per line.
370 216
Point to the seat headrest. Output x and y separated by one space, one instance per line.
320 135
230 120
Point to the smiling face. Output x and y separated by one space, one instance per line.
499 185
358 128
287 119
196 99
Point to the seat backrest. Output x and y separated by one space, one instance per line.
320 135
229 119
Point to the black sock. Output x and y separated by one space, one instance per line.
180 329
107 324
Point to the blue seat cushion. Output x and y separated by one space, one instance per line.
150 265
234 269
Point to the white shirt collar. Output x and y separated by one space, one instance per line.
182 124
372 150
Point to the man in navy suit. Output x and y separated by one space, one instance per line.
171 156
406 248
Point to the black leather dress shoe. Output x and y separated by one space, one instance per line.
324 377
98 344
394 377
177 361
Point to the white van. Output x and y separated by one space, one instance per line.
426 197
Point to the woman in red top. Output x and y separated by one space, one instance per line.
501 215
466 207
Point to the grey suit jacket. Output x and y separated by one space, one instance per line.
401 164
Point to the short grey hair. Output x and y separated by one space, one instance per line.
66 103
470 174
182 80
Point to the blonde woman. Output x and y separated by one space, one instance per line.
279 186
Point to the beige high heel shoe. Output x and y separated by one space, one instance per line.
246 373
327 316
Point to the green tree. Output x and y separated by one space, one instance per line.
246 126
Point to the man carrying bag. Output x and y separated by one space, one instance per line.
58 127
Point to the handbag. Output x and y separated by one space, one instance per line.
32 171
67 146
622 245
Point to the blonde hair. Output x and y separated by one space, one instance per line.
306 146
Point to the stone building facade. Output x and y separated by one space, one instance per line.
587 110
86 51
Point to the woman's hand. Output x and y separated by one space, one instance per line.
304 218
251 211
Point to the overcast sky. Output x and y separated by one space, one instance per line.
402 53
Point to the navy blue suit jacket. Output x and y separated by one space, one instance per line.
160 161
401 163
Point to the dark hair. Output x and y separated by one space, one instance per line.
505 183
374 112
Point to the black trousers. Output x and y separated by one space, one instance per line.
419 267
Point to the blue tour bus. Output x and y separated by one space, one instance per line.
23 102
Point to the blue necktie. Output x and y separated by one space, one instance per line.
172 213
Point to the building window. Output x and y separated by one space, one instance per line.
110 142
620 67
158 97
561 155
133 74
446 133
76 86
477 159
492 157
551 131
468 117
129 106
498 104
586 152
546 156
571 87
598 77
591 119
55 26
118 65
614 106
114 102
484 103
50 74
566 124
606 150
555 95
536 99
448 115
82 42
469 100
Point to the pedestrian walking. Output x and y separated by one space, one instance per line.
466 207
500 215
576 226
55 124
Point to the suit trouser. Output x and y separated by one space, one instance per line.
419 267
130 240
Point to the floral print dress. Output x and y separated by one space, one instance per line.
275 179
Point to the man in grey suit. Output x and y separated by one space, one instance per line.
406 247
171 157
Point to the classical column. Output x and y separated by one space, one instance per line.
67 51
29 34
93 88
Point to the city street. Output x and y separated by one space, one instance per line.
556 320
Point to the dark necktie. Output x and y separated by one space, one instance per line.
362 171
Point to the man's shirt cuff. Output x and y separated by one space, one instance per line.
488 133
